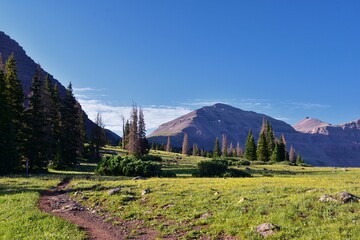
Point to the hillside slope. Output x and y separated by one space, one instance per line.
26 68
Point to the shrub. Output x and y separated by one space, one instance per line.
236 173
151 158
168 174
212 168
127 166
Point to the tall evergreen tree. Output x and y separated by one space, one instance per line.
238 150
134 134
224 146
270 138
71 129
125 141
282 148
250 147
217 152
143 142
292 155
9 158
15 99
299 159
185 145
168 144
232 151
195 150
275 156
98 136
37 147
262 153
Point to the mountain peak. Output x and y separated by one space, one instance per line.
309 125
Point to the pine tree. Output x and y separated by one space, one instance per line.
195 150
250 147
37 147
232 150
292 155
217 152
126 135
9 158
262 153
275 156
134 134
15 99
270 138
168 145
143 142
238 150
98 136
70 129
224 147
299 160
185 145
282 148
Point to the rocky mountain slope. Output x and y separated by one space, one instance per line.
26 68
340 148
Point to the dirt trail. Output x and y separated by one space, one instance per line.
56 201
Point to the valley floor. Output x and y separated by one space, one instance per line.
183 208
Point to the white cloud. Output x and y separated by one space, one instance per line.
111 115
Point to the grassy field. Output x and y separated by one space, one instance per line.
19 215
190 208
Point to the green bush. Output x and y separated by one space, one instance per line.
151 158
212 168
236 173
127 166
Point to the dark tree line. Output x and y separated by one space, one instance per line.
48 132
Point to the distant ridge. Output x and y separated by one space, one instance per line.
327 146
26 68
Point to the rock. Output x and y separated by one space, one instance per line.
341 197
327 198
267 229
139 178
243 200
205 215
145 191
345 197
113 191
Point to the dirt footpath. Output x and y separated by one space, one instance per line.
57 202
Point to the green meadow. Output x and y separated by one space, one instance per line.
191 208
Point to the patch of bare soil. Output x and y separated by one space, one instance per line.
57 202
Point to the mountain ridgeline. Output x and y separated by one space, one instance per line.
319 143
26 68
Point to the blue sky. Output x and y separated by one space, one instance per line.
287 59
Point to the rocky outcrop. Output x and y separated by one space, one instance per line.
26 68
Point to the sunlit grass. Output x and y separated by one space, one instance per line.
21 219
216 206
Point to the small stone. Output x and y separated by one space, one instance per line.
327 198
113 191
216 193
139 178
243 200
205 215
267 229
346 197
145 191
